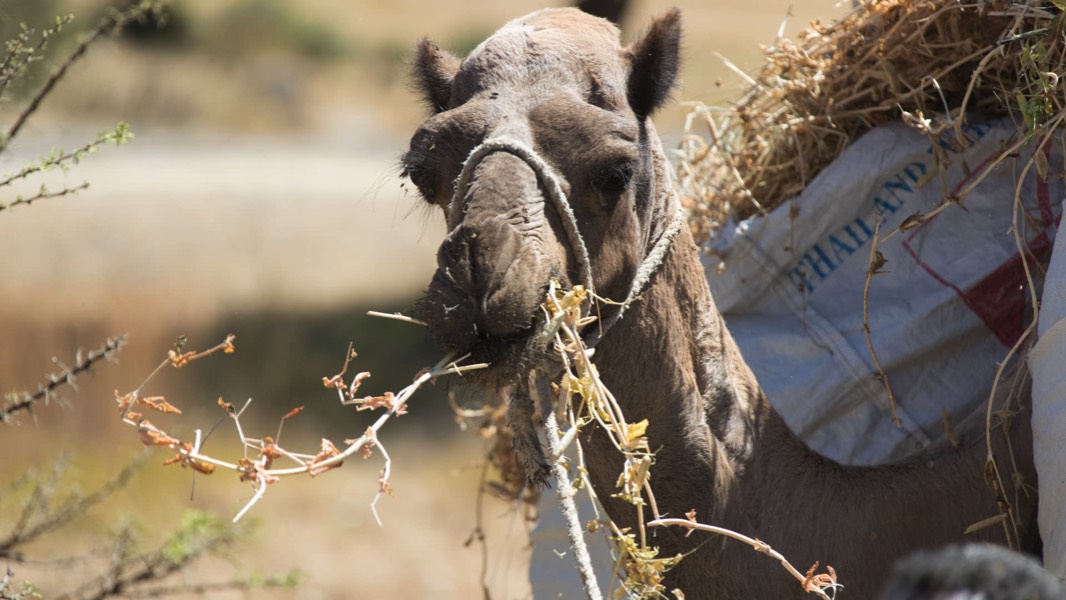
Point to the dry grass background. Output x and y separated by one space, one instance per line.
261 197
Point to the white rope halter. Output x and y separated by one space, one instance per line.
648 267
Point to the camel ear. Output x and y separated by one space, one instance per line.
434 70
654 60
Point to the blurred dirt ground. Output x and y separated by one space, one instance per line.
261 197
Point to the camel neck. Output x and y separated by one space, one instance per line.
672 361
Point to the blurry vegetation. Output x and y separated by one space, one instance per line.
257 65
39 507
253 26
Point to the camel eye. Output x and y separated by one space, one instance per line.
614 179
420 175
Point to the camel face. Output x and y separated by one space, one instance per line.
538 153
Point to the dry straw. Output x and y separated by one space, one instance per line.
933 63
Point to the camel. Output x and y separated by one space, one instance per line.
541 154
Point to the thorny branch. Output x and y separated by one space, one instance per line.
26 529
44 193
113 22
259 470
66 376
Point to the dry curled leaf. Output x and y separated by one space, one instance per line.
358 380
254 471
336 381
150 436
185 460
123 400
878 263
384 483
816 582
159 403
912 221
270 449
691 515
247 469
367 449
368 446
226 406
293 412
386 401
179 360
328 451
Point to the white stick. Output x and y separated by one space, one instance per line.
566 499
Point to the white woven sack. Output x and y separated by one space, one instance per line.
951 302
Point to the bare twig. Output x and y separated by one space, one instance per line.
877 262
396 317
759 546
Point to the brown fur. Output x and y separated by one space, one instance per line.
560 82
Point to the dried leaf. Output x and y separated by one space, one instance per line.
821 581
150 436
1041 164
270 449
247 469
187 461
199 465
383 483
123 401
179 360
912 221
358 380
367 450
635 431
368 446
159 403
878 263
386 401
328 451
691 515
293 412
226 406
983 523
334 382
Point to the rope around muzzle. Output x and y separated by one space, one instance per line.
651 263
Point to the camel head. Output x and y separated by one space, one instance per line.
551 106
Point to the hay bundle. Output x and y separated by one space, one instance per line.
931 62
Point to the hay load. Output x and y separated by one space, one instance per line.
921 142
933 63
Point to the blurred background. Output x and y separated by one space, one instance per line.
261 197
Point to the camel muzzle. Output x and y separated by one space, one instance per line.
495 263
